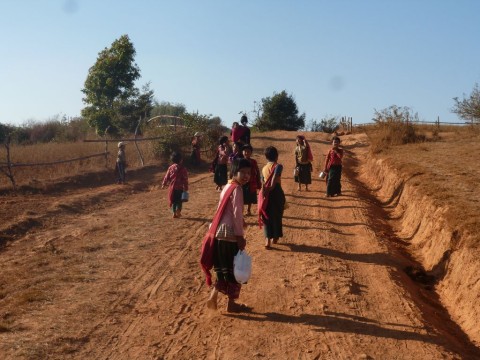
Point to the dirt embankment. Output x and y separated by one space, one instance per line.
445 251
105 272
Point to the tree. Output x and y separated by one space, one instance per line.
468 109
130 111
395 114
279 112
167 108
110 93
328 124
5 131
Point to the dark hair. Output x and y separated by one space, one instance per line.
247 147
238 164
336 138
222 140
243 119
176 157
271 153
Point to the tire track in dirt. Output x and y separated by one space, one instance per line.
329 290
157 275
338 312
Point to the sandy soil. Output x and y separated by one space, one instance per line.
96 271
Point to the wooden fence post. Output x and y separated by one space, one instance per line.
106 147
9 172
136 143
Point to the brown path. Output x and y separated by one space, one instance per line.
122 281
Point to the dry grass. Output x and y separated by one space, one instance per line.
449 171
51 152
152 152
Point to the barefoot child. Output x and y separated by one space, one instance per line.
250 189
333 167
272 202
121 163
220 168
225 237
195 157
177 179
303 159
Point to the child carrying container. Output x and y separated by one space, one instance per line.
177 180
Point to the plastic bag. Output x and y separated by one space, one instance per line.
185 196
242 266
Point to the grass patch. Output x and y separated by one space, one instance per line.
5 327
31 296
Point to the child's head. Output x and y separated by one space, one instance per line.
300 139
247 150
236 147
176 157
240 171
223 140
234 125
335 141
271 153
244 120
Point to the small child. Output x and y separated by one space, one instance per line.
250 189
225 238
177 179
236 152
121 163
195 157
333 167
219 164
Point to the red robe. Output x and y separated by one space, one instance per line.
208 243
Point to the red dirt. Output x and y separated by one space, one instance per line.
95 271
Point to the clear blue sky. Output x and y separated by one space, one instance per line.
336 57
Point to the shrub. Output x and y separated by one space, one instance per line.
328 124
179 139
394 126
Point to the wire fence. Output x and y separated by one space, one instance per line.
438 123
7 167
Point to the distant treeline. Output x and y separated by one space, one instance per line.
58 129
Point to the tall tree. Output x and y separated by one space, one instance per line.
110 93
279 112
468 108
167 108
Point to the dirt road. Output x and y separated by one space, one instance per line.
105 273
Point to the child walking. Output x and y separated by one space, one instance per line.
121 163
177 180
333 167
272 202
303 159
250 189
225 238
195 157
219 165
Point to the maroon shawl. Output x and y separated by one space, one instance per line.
208 243
263 200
